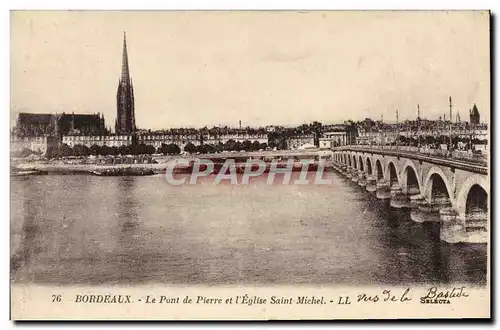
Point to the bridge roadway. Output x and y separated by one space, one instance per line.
451 191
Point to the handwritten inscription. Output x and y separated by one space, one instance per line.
436 296
385 296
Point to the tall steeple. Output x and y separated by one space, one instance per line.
125 112
125 70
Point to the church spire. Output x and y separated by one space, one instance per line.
125 71
125 112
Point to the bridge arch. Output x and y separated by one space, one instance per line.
379 171
369 168
361 165
473 191
354 161
436 186
410 180
391 173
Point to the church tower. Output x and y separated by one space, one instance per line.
125 113
474 115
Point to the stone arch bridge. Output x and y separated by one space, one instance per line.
451 191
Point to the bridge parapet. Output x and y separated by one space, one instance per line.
438 157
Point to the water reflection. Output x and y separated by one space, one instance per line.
23 251
130 243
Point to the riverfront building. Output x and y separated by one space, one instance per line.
380 133
37 144
56 125
157 139
238 136
100 140
305 141
39 132
338 135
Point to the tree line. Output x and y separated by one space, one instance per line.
80 150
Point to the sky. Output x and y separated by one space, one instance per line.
195 69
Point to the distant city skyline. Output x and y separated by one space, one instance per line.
195 69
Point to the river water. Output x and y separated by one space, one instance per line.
78 229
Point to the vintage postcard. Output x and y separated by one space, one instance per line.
249 165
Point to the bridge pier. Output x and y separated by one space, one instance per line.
383 191
417 201
476 225
354 175
371 184
452 227
361 179
429 212
457 229
413 191
348 172
462 229
398 198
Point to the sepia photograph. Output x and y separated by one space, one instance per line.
249 164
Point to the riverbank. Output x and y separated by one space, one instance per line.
119 169
158 166
136 169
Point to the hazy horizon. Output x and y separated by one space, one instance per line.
195 69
